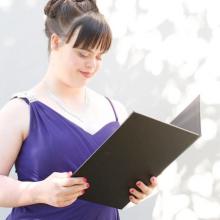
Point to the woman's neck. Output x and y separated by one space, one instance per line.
74 97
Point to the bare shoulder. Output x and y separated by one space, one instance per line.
120 108
15 114
14 122
15 107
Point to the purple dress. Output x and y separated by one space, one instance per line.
56 144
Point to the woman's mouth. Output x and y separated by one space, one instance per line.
86 74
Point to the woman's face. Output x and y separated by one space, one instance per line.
77 66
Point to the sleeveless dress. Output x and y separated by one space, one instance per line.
56 144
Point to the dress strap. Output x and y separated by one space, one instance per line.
116 117
25 95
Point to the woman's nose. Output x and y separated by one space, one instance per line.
91 64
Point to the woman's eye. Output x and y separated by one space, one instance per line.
83 54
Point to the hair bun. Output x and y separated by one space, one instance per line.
51 7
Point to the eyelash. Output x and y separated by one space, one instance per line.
84 56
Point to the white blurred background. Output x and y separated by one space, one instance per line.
164 53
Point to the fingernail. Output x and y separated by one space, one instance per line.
153 179
138 183
131 190
84 179
87 185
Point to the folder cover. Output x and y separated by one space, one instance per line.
142 147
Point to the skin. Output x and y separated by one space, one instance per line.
65 78
64 71
136 196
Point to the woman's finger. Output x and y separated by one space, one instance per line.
73 196
153 181
137 194
75 189
144 188
71 181
134 200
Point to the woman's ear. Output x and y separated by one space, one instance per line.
55 42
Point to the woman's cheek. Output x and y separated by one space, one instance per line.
98 66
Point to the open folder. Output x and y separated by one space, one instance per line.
142 147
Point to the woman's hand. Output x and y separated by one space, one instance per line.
61 189
136 195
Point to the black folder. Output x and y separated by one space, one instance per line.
142 147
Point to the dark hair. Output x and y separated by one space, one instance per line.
65 16
93 32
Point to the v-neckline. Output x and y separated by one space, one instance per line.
73 123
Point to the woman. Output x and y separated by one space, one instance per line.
60 122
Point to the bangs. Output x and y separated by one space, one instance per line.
94 32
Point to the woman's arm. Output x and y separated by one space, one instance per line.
14 193
14 123
58 189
